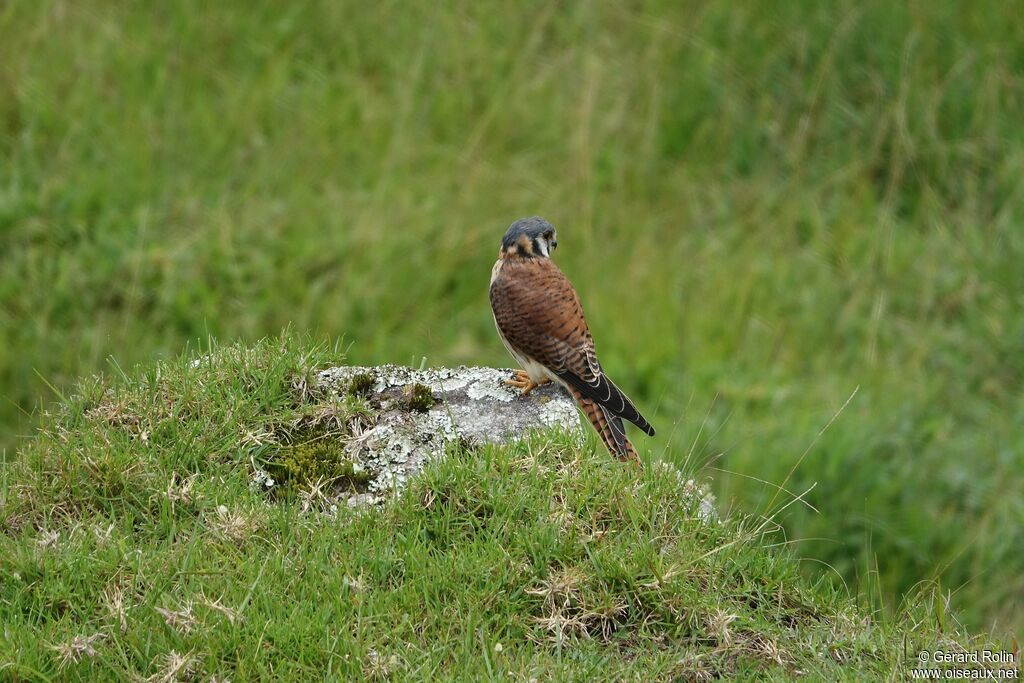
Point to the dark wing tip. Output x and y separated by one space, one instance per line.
640 421
604 392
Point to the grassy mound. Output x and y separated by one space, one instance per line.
763 205
135 542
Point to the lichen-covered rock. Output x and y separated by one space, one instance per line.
419 412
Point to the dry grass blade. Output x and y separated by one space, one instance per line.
77 649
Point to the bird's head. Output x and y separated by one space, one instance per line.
529 238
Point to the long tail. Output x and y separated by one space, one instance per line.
604 391
608 426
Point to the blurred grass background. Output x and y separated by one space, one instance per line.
764 206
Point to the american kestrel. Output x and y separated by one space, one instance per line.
540 320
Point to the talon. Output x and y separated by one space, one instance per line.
521 380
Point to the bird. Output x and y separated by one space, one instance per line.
540 320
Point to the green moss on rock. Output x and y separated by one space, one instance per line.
319 460
361 384
418 397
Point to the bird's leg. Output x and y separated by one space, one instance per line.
521 380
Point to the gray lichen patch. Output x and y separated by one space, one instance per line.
476 401
418 413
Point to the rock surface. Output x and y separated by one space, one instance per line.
471 404
468 405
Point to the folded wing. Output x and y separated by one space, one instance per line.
538 311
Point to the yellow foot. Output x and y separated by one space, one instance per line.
521 380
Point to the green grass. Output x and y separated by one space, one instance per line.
763 207
134 544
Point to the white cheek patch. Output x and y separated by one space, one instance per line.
541 245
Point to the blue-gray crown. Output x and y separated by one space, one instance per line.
532 227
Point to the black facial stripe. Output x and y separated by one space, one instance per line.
521 250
